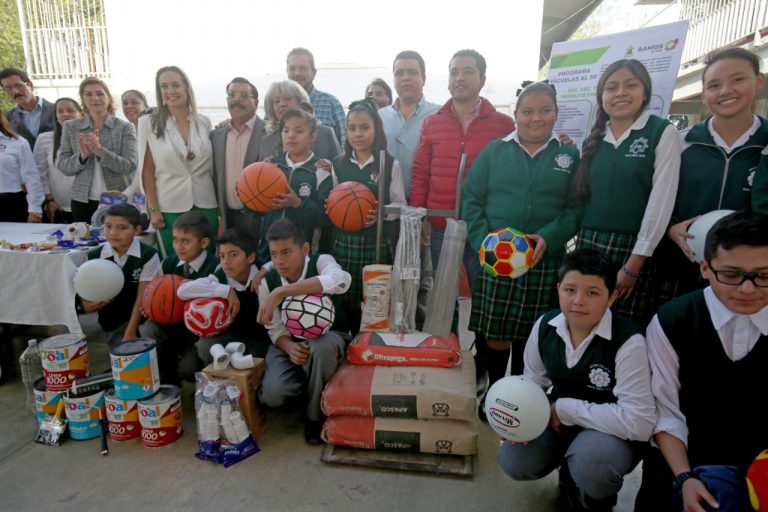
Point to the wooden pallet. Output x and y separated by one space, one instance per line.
461 465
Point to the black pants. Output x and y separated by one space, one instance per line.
13 207
82 212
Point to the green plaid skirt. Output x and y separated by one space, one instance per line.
353 251
505 309
641 307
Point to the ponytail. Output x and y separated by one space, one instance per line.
595 139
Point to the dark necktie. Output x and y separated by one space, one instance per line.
185 269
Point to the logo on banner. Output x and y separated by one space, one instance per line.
638 147
630 51
672 44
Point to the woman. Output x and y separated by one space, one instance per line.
380 91
98 149
134 102
17 173
281 97
57 186
176 155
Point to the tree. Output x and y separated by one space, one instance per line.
11 49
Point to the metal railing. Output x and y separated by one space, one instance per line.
718 23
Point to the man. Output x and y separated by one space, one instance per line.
32 115
328 109
235 146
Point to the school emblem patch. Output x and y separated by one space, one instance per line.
638 147
750 178
564 162
305 190
136 275
599 377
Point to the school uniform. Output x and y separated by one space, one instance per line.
633 180
760 185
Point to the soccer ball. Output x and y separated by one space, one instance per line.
506 252
757 482
207 316
308 316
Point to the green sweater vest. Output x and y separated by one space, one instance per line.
347 171
170 265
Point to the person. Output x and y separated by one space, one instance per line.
176 157
119 318
32 114
361 163
233 281
522 181
380 91
626 213
134 103
327 108
98 149
596 363
235 146
292 365
21 190
717 163
285 95
707 351
176 353
760 185
57 186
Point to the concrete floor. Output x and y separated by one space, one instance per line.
287 475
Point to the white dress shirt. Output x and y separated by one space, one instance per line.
196 263
210 286
54 181
18 170
149 271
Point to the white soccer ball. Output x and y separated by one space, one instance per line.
699 230
99 280
517 408
308 316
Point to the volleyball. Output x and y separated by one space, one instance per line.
506 252
99 280
699 230
308 316
517 408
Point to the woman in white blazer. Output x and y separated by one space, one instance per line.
176 155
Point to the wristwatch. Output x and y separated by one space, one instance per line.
680 478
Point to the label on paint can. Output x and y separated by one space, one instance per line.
123 417
134 368
65 359
160 417
83 412
45 401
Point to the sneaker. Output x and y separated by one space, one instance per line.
312 431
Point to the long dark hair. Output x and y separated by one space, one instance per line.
595 139
160 115
5 127
379 139
57 128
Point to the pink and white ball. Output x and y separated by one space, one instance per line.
308 316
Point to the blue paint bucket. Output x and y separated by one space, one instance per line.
83 412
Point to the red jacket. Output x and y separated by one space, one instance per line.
436 164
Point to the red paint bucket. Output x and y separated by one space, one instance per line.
160 417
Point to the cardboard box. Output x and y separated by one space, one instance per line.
249 382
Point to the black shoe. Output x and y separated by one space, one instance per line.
312 431
481 411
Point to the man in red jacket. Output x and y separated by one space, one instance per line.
465 124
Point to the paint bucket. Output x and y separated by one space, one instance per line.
45 401
65 359
160 417
83 412
123 417
134 368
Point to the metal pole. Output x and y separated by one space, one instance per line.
380 203
459 185
23 30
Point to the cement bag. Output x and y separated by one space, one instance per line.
376 293
404 349
403 392
443 437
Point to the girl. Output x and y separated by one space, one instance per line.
360 162
20 187
522 181
57 187
628 179
718 160
134 102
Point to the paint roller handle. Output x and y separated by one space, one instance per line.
103 427
59 410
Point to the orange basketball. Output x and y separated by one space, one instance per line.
258 184
160 301
348 205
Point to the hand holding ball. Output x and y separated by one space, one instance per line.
517 409
99 280
258 184
699 230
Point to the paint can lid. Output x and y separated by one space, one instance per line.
85 394
165 393
132 347
61 340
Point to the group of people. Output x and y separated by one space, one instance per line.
626 330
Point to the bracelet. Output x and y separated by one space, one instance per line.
153 209
633 275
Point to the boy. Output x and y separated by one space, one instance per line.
290 363
232 281
176 355
707 351
597 365
120 316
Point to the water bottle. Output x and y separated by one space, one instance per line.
31 371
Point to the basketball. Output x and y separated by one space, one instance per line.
308 316
99 280
506 252
517 408
699 230
258 184
207 316
348 205
757 482
160 301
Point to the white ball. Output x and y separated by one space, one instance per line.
99 280
517 408
699 230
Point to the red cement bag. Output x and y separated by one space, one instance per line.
409 349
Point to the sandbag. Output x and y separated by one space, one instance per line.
404 349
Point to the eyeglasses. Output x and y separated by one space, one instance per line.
737 277
242 95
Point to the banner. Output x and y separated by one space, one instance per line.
576 66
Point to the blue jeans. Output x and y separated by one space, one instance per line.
727 484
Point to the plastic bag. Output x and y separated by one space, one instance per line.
406 271
442 299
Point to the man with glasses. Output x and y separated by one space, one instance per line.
708 351
32 115
235 146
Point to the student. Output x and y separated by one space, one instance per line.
718 161
760 185
360 162
596 363
232 281
177 357
522 181
120 317
628 178
707 351
291 365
